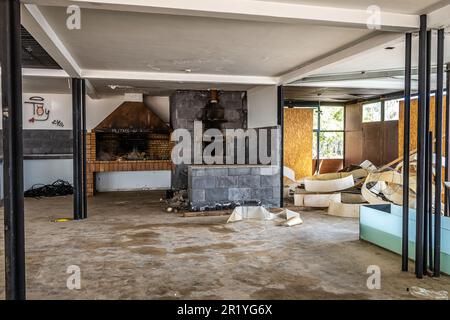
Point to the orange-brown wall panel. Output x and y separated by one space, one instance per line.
298 141
413 127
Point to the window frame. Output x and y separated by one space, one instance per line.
317 131
382 109
370 103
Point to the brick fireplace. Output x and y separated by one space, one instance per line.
132 138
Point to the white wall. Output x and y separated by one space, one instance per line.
42 171
262 106
46 171
49 170
133 180
159 106
60 108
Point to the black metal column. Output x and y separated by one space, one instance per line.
406 142
438 129
83 144
421 150
428 158
77 149
280 122
428 226
10 48
447 137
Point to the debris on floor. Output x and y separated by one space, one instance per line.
339 192
428 294
247 212
315 200
335 183
289 217
346 210
176 200
214 213
383 187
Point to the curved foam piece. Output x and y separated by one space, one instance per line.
329 185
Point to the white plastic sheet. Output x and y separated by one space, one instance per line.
290 218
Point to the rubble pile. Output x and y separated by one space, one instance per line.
176 200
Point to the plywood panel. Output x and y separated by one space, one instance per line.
413 127
298 141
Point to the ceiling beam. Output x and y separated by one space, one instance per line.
252 10
44 73
373 74
395 84
373 42
37 25
178 77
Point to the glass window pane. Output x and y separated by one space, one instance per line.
314 146
331 118
315 119
372 112
391 110
331 145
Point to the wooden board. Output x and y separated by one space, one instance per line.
413 127
298 141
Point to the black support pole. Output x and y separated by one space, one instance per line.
421 150
406 142
280 101
77 146
428 158
447 137
15 286
428 227
83 143
438 129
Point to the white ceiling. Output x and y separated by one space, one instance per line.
120 87
325 94
157 88
377 60
399 6
124 41
115 40
382 59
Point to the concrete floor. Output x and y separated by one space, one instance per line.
129 248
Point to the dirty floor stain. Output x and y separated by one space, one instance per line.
130 248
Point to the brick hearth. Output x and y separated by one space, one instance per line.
94 166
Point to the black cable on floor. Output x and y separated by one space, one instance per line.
57 188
